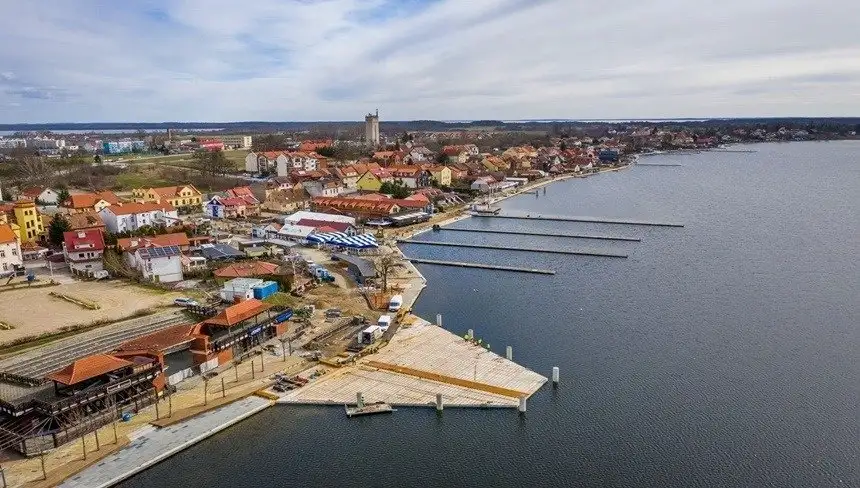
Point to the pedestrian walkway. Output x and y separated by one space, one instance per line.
160 444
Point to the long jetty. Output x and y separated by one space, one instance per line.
524 249
592 220
458 264
544 234
658 164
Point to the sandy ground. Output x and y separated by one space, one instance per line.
33 312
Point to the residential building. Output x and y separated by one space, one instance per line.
12 143
348 176
388 158
90 202
45 143
313 145
238 202
371 129
296 161
10 249
265 162
442 174
178 239
410 176
28 220
372 180
420 154
161 264
85 221
45 196
84 251
185 197
130 217
329 187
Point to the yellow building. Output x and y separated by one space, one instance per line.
28 220
373 179
442 174
183 196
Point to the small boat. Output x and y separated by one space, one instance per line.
369 409
485 209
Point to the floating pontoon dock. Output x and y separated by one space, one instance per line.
593 220
524 249
458 264
545 234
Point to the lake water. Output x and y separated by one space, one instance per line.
725 353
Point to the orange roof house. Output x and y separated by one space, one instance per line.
88 368
84 202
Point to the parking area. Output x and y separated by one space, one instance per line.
32 312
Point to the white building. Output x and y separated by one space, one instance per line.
133 216
10 249
296 161
162 264
293 219
45 143
239 288
84 251
12 143
236 141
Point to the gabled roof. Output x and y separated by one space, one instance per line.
163 339
85 200
84 239
87 368
84 220
33 191
136 208
133 243
159 252
7 234
172 191
237 313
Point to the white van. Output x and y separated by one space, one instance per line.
395 303
384 322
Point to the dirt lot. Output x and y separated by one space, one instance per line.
34 312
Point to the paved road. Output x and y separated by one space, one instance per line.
157 445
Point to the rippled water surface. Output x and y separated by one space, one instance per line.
725 353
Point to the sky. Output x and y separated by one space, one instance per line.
305 60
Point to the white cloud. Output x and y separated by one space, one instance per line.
221 60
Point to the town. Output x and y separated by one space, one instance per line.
136 270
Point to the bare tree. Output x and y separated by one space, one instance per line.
384 264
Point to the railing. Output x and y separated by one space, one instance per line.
90 395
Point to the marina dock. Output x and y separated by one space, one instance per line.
458 264
545 234
523 249
420 362
593 220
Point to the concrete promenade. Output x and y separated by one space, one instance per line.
159 444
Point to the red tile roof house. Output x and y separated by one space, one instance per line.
84 251
411 176
131 244
326 226
240 202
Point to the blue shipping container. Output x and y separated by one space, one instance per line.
265 290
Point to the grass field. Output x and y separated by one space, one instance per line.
236 156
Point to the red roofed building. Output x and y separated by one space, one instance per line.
90 202
211 145
320 225
236 330
247 269
84 250
411 176
88 368
355 207
315 145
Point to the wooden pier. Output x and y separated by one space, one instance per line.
482 266
544 234
592 220
523 249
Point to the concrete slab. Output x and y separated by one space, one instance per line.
155 446
428 348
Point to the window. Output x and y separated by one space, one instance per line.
5 267
2 254
14 252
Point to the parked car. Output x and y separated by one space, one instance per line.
185 302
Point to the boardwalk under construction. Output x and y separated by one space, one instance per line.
593 220
422 361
